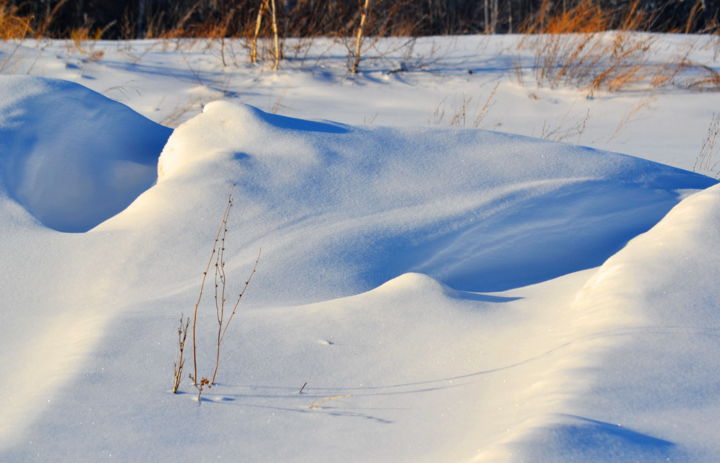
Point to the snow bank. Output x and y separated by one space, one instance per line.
650 314
70 156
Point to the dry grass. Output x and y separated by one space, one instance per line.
84 42
705 78
644 104
575 48
561 132
707 160
12 25
469 112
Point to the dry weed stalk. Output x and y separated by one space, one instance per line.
224 313
180 362
220 301
561 133
198 382
705 161
642 105
461 116
485 108
216 30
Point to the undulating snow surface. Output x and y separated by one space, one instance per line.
423 294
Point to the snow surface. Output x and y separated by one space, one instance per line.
90 160
445 294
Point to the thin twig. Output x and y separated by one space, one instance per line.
223 225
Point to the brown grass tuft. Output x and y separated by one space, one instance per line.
574 48
13 25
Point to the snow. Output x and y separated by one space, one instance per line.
425 293
90 161
659 399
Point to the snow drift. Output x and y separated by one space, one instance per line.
650 352
376 245
477 210
70 156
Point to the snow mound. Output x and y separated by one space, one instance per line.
70 156
413 282
341 210
651 319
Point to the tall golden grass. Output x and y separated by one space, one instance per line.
13 25
595 48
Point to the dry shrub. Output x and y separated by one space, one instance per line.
13 25
225 311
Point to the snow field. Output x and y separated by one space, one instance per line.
446 294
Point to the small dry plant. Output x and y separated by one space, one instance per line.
562 133
706 160
224 311
644 104
180 362
469 113
84 42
